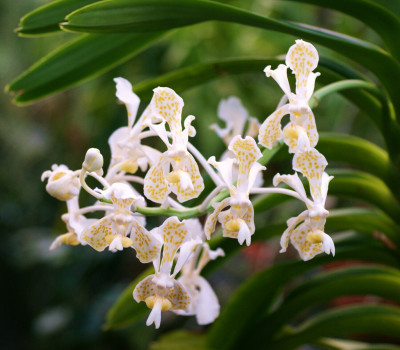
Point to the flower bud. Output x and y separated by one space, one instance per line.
63 184
93 160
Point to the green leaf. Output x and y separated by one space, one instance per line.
357 152
79 60
255 296
362 186
126 310
371 319
340 344
46 19
374 15
180 340
379 281
148 15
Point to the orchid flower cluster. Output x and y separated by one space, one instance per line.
178 249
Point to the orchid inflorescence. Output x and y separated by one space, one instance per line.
178 248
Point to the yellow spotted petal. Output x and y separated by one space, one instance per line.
247 153
312 165
292 224
144 289
122 204
95 235
155 183
212 219
173 233
299 240
189 165
302 58
270 129
179 297
167 104
146 245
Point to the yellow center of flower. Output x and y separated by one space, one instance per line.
315 237
129 167
165 304
233 225
292 132
70 239
173 177
58 175
126 242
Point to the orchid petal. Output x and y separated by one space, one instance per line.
206 304
306 249
247 153
167 104
174 233
194 181
155 183
280 76
179 297
125 94
212 219
270 129
95 234
293 181
146 245
312 165
253 127
302 58
185 251
224 168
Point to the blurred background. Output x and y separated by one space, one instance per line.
60 298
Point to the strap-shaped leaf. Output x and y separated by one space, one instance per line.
144 15
373 14
341 344
371 319
255 296
180 340
79 60
365 187
46 19
379 281
357 152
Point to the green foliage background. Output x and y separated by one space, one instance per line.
60 299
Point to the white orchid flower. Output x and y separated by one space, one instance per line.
237 221
235 116
113 230
127 152
306 231
204 305
300 134
62 182
160 291
176 170
76 223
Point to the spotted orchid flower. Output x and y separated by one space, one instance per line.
300 133
306 231
76 223
237 221
112 230
62 182
127 152
204 305
235 116
176 170
160 291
